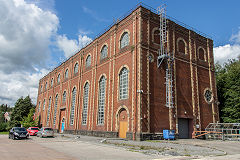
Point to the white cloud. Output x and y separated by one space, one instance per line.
25 35
71 46
228 51
223 53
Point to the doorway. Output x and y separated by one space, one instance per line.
183 128
63 125
123 123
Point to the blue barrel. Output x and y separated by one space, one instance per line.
169 134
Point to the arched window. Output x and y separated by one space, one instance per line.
85 104
88 61
201 54
41 88
123 83
48 111
58 78
64 97
51 82
39 104
73 105
55 110
76 68
156 36
66 74
46 86
101 100
104 52
44 105
181 46
124 40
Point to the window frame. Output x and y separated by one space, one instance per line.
48 111
85 103
58 78
88 61
123 83
66 74
104 52
101 100
73 104
121 44
76 70
55 110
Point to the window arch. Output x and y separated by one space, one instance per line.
76 68
123 83
64 97
201 54
66 74
73 106
58 78
48 111
104 52
85 104
55 110
51 82
46 86
88 61
124 40
181 46
101 100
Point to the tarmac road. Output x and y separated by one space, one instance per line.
63 149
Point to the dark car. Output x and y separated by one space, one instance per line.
18 133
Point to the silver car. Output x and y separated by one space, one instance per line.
45 132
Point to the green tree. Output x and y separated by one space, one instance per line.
228 87
21 109
3 109
29 121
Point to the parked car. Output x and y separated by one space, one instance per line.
18 133
32 131
45 132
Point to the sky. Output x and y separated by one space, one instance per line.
37 35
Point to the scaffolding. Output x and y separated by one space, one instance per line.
220 131
163 55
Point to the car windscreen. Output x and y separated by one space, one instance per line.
48 129
34 128
19 129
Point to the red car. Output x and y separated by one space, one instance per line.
33 131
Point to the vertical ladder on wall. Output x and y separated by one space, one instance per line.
164 55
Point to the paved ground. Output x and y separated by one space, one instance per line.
71 147
63 148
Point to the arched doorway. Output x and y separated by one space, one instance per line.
62 125
123 123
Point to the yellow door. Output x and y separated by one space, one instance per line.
123 129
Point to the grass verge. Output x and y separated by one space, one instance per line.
3 132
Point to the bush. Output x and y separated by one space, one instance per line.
3 127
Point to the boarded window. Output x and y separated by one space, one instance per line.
201 54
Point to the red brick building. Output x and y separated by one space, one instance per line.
113 86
